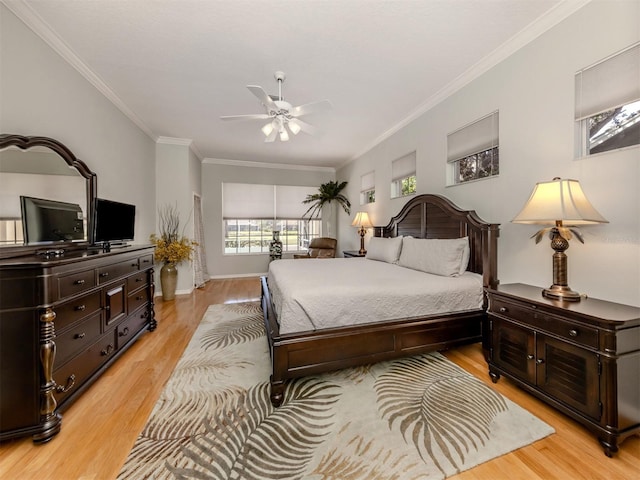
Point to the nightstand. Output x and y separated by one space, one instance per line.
352 253
582 358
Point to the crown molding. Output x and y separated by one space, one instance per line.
41 28
280 166
185 142
525 36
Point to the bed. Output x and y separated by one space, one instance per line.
309 340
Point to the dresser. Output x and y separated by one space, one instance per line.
583 358
65 316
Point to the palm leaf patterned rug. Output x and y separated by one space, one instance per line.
420 417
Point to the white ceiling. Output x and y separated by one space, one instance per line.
176 66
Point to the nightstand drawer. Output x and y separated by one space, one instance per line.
537 318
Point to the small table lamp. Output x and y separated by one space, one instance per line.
563 204
362 222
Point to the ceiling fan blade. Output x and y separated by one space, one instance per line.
257 116
263 97
311 108
304 126
272 136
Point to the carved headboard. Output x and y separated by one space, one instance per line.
434 216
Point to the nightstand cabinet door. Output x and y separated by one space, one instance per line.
569 374
514 349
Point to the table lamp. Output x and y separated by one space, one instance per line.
563 204
362 222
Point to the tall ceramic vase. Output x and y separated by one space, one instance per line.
275 246
169 281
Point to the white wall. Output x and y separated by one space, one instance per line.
534 93
41 94
213 175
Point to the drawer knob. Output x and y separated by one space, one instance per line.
530 357
104 274
107 351
80 308
124 332
134 264
139 297
503 309
79 336
138 279
79 282
573 333
71 381
540 361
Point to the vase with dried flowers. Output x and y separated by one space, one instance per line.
172 248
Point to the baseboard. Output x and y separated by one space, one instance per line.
236 275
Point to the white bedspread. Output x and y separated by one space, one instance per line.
322 293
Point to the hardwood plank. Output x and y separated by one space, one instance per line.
99 429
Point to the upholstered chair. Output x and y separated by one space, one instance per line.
323 247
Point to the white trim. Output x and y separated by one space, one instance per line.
24 12
237 275
187 142
532 31
283 166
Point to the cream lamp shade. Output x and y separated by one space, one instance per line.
563 204
362 222
558 200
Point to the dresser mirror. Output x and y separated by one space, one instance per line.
41 168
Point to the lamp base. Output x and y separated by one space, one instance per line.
562 293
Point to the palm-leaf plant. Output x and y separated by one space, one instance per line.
327 193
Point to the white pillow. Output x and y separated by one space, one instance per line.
384 249
437 256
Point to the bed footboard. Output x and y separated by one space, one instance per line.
314 352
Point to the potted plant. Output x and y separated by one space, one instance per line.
327 193
172 248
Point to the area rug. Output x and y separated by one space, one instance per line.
420 417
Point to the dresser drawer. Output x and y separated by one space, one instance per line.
137 281
77 338
146 261
76 283
74 373
540 319
132 325
117 270
76 309
136 300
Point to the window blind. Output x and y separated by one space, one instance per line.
403 167
476 137
255 201
368 181
608 84
289 201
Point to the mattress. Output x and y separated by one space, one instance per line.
312 294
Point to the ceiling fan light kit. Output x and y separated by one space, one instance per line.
282 116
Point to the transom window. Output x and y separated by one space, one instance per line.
473 151
368 188
252 212
607 109
403 176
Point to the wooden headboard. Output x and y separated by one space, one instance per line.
434 216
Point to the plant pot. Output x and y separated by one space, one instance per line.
169 281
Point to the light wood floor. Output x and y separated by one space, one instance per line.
100 428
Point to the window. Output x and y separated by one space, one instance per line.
368 188
251 213
473 151
607 108
403 176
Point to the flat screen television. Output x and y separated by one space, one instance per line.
114 222
51 221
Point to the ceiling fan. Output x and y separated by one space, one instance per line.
282 116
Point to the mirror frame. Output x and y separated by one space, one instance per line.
26 142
